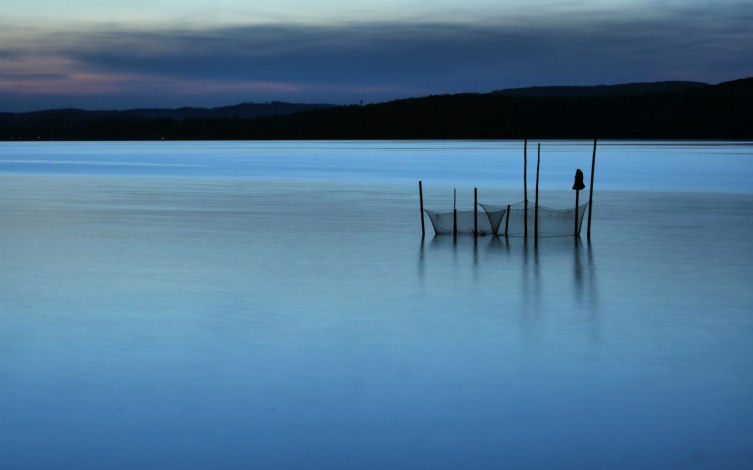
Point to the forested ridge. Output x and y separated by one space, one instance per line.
663 110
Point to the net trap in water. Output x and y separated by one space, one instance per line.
520 219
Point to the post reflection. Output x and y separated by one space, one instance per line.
577 271
421 261
475 258
592 276
593 296
536 279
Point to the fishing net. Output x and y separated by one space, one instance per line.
488 222
552 222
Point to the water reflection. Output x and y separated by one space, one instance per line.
421 259
475 258
592 308
584 278
547 277
499 244
578 274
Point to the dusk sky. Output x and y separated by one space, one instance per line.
99 54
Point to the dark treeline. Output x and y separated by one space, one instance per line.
603 90
696 111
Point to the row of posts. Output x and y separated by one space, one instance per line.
577 186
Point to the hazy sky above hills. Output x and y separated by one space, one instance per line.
105 54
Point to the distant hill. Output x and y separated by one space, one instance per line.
241 111
664 110
60 119
603 90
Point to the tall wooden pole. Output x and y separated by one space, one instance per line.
525 188
575 232
421 208
475 212
536 210
591 192
454 213
507 220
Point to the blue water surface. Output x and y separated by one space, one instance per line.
273 305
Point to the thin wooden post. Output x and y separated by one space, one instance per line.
591 192
421 201
525 189
577 191
507 220
454 212
536 210
475 212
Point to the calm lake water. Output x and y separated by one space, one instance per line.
272 305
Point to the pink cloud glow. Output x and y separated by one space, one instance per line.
30 74
91 83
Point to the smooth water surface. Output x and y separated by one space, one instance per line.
273 305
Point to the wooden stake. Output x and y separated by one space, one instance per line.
577 191
475 212
454 212
525 188
536 210
507 219
591 192
421 202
